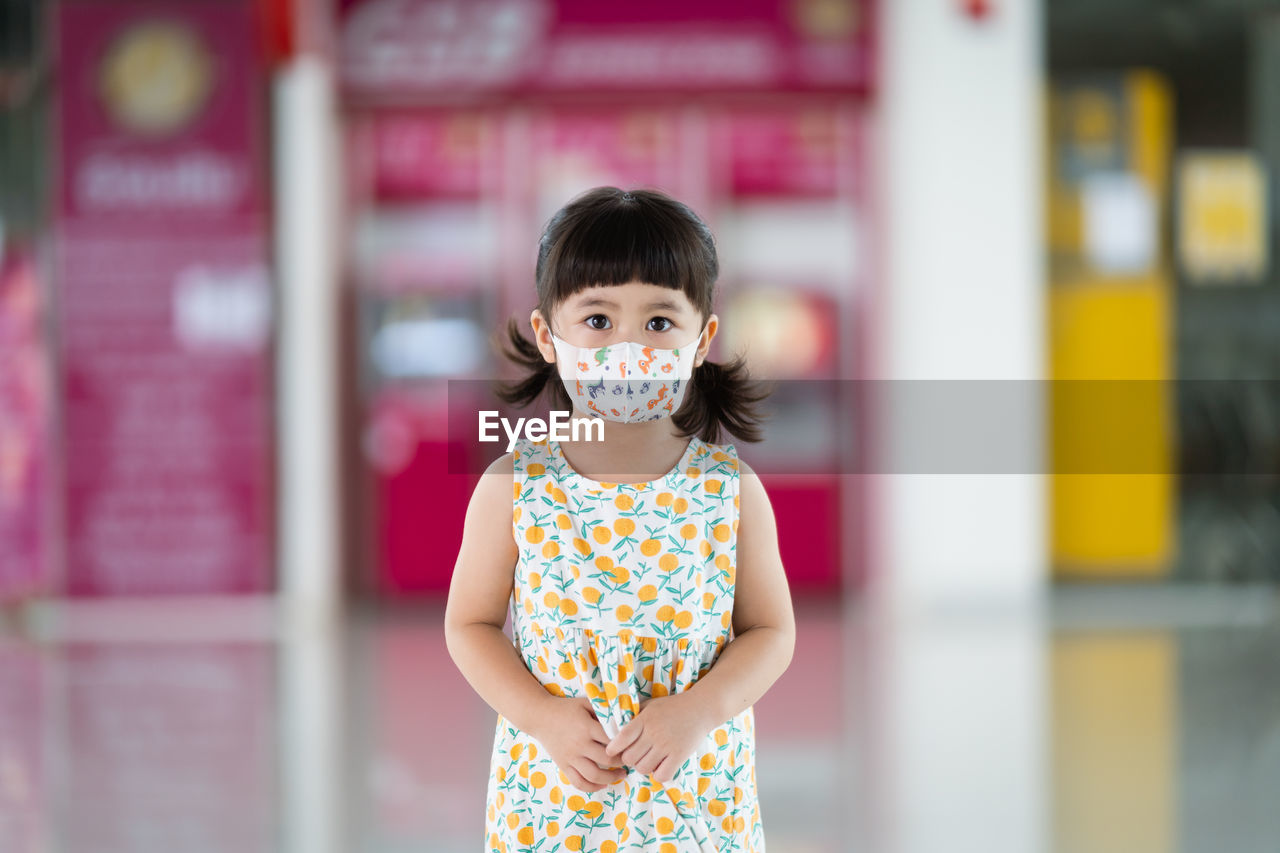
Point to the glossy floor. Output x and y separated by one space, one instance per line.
1138 720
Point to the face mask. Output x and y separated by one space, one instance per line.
626 382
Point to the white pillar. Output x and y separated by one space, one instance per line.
307 182
959 562
315 779
959 123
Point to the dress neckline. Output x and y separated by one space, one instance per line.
572 473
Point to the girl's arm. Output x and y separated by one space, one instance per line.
667 729
763 621
477 607
473 621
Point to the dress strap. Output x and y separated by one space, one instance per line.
529 458
718 464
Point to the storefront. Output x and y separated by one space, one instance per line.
467 125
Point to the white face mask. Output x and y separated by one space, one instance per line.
626 382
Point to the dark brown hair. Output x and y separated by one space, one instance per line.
609 236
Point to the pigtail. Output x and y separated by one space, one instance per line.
722 397
539 373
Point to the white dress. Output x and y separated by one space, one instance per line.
624 591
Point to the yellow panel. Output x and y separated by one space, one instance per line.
1111 525
1115 736
1151 114
1112 502
1111 442
1113 329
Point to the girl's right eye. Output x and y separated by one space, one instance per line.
599 322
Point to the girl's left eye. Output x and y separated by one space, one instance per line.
659 324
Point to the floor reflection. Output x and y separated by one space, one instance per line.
126 748
980 731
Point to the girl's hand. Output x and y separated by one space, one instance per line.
663 735
575 740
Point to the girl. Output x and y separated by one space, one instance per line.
649 605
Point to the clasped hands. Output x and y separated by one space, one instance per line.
663 734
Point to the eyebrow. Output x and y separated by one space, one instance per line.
657 305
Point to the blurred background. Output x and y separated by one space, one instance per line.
1010 262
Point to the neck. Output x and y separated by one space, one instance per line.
635 452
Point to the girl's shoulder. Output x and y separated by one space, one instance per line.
492 492
504 464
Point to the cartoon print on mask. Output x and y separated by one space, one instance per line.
648 359
633 400
662 392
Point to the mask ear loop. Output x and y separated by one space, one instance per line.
698 343
558 343
562 341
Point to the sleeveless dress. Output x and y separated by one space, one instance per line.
622 592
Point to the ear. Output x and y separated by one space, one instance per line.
713 324
542 336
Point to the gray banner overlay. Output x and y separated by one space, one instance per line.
1192 427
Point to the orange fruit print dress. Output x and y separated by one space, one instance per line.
622 592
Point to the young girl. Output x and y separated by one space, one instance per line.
649 605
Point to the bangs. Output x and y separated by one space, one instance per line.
611 237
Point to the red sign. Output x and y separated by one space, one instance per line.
440 49
164 299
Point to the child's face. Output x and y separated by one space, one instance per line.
645 313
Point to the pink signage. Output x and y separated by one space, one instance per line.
24 429
440 49
164 299
432 155
782 152
571 150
